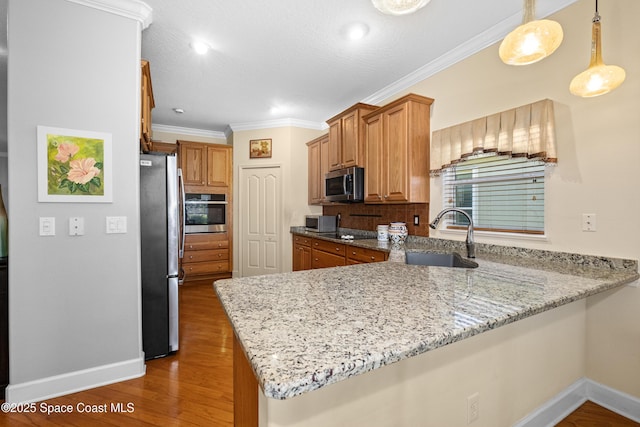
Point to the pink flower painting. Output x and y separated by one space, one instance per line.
82 170
75 165
66 151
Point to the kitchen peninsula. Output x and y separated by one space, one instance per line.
323 344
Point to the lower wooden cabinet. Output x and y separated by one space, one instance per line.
310 253
356 255
206 256
301 253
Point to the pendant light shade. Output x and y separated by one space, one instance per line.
599 78
399 7
531 41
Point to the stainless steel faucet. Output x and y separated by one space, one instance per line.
471 246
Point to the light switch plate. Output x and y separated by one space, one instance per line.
47 226
116 225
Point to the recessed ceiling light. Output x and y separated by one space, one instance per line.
355 31
178 110
358 31
200 47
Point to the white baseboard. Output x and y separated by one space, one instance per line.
59 385
567 401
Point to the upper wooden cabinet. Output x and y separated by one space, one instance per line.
397 152
318 158
346 137
206 168
146 105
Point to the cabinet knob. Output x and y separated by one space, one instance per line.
373 258
219 255
190 256
353 253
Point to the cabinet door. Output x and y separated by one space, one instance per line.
350 140
396 154
315 179
324 164
193 161
335 145
301 257
218 166
373 187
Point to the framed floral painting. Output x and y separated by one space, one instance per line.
74 165
260 148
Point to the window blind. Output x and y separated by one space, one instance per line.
500 193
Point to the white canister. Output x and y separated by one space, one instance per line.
383 233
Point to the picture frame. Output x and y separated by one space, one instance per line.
260 148
74 165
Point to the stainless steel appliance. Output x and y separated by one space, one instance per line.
205 213
160 247
321 223
345 185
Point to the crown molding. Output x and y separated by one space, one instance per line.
470 47
266 124
134 9
189 131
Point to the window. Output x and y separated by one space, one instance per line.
500 193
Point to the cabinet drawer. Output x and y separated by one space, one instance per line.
205 255
320 259
198 242
365 255
301 240
327 246
206 267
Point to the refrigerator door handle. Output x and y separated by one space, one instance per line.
182 204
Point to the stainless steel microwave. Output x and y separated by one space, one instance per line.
345 185
205 213
321 223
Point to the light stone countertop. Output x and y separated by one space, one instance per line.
307 329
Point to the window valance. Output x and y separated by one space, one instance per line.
526 131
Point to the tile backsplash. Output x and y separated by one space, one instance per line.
367 217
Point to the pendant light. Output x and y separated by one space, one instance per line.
599 78
532 41
399 7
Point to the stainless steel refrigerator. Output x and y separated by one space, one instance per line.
160 241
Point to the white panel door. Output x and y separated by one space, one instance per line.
261 220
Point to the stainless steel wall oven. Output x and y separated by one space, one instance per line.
205 213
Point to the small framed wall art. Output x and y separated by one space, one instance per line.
74 166
259 148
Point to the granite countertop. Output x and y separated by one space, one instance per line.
307 329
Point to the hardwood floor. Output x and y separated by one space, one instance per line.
192 387
592 415
195 387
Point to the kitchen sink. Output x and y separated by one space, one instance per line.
452 259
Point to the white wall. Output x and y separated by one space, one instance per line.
597 171
74 302
289 150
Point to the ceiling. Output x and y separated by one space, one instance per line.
289 61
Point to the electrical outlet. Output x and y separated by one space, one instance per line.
473 407
589 222
416 220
